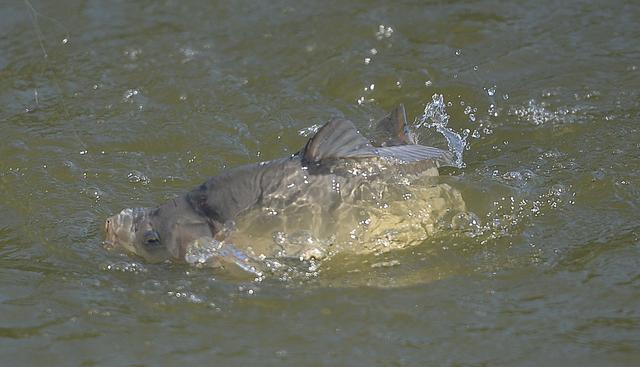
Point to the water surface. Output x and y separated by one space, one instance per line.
106 105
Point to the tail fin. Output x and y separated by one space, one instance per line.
393 129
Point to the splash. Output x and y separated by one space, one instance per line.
435 117
539 113
215 254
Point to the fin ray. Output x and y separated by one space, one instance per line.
338 138
414 153
393 129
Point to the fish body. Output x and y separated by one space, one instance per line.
340 192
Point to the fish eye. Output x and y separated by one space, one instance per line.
151 238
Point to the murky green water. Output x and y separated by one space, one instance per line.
136 102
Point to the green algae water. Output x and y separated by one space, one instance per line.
106 105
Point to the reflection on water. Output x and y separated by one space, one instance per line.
127 104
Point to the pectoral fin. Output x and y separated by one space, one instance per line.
212 253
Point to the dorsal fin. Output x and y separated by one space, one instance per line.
338 138
393 129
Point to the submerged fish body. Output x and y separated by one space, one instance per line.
372 217
339 193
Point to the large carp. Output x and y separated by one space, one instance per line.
340 193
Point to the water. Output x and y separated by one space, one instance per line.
137 102
435 111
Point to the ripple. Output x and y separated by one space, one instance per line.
138 177
539 113
125 267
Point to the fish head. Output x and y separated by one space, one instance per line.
133 230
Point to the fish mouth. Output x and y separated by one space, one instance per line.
110 233
120 228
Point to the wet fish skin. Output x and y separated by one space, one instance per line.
167 231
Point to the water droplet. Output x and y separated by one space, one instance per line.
436 117
491 91
133 53
308 131
129 93
188 53
384 32
458 52
138 177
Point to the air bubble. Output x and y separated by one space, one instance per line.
384 32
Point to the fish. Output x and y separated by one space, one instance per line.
339 192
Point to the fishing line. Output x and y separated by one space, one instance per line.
49 74
34 15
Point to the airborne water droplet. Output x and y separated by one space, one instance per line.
436 117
